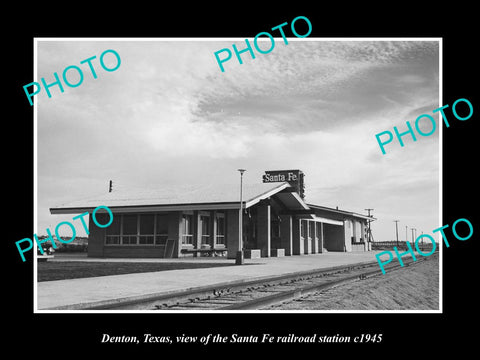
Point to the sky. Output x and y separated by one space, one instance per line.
169 115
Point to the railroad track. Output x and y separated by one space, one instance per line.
257 294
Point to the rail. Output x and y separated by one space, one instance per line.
381 245
256 294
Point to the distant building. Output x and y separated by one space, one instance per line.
187 221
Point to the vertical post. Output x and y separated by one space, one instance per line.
264 228
213 229
313 226
197 232
239 259
320 245
413 240
406 233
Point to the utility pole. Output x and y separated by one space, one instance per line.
406 233
396 227
413 241
369 229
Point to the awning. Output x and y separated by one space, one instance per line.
327 221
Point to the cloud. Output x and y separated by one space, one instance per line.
321 84
168 114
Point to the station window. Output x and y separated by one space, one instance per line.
187 227
275 229
161 235
113 231
147 229
303 228
220 240
319 229
144 229
129 234
205 226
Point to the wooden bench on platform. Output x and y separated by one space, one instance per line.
208 252
42 258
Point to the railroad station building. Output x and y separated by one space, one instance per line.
182 221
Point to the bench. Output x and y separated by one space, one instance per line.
208 252
42 258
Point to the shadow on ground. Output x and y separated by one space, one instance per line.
49 271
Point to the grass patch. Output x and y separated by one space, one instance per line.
56 270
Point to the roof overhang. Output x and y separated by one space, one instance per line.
327 221
292 198
347 213
149 208
266 195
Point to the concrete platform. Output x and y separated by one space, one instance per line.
76 293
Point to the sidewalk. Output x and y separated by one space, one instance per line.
75 294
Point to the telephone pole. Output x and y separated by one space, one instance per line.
396 227
413 241
369 229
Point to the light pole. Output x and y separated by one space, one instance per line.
239 259
413 241
406 233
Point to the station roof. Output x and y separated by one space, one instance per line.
171 198
195 197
